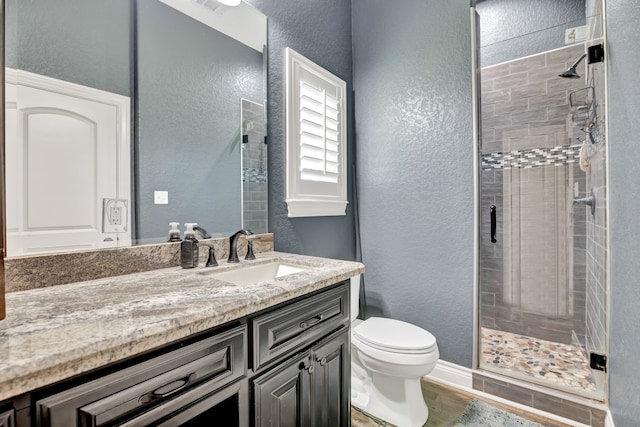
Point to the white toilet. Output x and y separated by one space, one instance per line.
388 358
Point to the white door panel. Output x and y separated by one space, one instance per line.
69 182
66 153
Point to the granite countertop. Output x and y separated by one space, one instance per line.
55 333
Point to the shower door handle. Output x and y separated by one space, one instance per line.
493 223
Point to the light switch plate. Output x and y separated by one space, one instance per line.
161 197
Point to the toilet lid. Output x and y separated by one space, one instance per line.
394 335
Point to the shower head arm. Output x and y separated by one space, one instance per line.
571 72
575 64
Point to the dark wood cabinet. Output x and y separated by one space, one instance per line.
310 389
286 366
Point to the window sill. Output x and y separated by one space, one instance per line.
306 208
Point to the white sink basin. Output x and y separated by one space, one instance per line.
248 275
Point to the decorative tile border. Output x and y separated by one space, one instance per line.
254 175
532 157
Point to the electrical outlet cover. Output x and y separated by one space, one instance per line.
114 215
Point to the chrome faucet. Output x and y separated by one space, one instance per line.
233 245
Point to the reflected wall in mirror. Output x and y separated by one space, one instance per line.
110 102
190 83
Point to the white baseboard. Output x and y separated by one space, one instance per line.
453 374
608 421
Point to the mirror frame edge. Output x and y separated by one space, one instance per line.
2 163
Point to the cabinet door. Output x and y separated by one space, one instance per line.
8 418
330 381
282 396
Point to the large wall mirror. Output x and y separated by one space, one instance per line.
125 115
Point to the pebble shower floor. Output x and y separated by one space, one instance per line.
563 365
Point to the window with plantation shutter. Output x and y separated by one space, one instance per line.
316 139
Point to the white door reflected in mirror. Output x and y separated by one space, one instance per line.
67 151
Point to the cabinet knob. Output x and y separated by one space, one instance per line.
308 365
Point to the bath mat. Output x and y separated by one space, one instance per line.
480 414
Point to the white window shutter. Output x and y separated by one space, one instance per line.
316 139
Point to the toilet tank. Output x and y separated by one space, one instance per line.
355 297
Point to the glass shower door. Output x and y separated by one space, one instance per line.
543 258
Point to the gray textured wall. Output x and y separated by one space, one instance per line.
189 89
511 29
624 198
321 31
412 68
80 41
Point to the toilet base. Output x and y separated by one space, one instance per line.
393 399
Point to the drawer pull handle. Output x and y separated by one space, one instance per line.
312 321
167 389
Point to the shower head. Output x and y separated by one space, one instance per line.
571 72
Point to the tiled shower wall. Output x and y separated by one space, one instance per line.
533 277
254 167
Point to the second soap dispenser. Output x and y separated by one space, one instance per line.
189 247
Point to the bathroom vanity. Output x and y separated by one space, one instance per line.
176 347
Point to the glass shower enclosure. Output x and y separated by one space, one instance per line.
543 218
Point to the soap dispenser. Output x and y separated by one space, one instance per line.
189 247
174 232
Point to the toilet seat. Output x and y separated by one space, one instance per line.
394 336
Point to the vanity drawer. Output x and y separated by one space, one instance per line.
293 326
218 360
